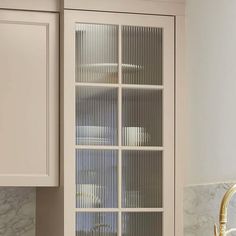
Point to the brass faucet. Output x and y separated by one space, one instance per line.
223 213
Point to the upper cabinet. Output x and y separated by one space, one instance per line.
119 124
29 98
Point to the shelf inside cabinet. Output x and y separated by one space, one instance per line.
119 209
130 86
138 148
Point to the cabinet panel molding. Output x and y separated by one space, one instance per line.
29 89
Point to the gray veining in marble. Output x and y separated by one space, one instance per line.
17 211
201 209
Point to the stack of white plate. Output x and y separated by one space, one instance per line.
94 135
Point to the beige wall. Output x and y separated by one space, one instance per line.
211 65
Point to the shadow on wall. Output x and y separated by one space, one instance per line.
202 206
17 211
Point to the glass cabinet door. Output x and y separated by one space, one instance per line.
96 53
124 116
141 117
142 54
96 115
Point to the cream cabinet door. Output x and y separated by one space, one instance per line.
29 98
119 124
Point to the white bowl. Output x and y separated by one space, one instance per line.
135 136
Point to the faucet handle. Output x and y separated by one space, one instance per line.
215 230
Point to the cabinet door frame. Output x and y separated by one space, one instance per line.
168 24
51 23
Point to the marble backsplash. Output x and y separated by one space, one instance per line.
17 211
201 209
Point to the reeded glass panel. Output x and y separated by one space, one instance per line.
96 53
96 116
96 178
96 224
142 179
141 224
141 55
141 117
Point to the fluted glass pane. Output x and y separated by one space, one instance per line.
142 224
142 179
96 53
141 55
96 178
96 224
96 116
141 117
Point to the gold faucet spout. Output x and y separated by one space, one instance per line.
224 211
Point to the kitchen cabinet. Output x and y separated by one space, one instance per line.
122 122
29 98
118 162
121 113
